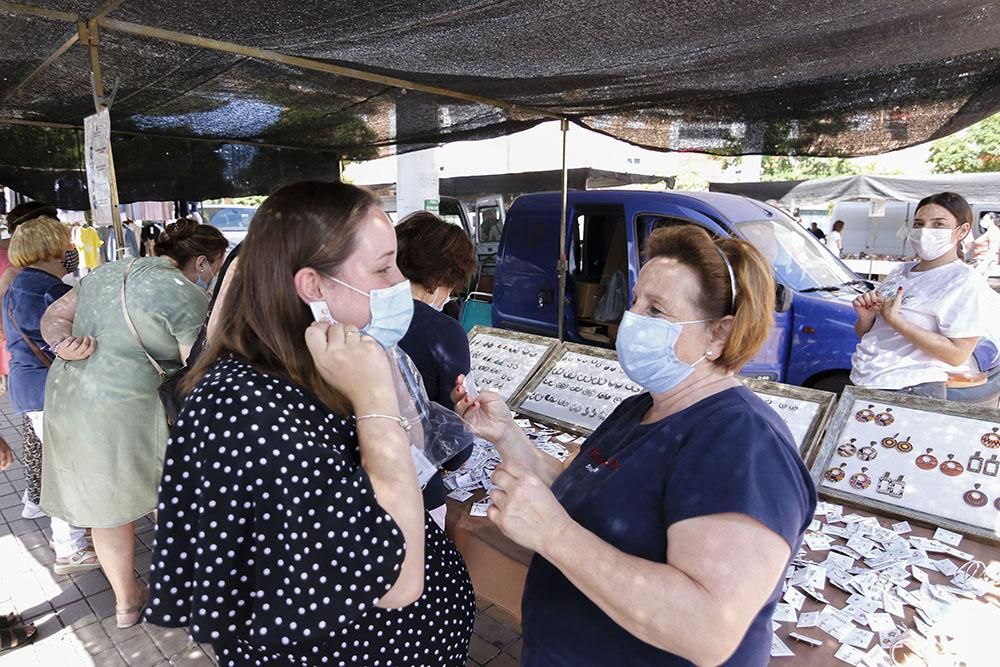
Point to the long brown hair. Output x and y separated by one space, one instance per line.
263 320
753 313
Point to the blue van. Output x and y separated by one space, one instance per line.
813 338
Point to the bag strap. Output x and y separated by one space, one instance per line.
131 327
32 345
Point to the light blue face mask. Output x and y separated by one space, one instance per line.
646 350
392 310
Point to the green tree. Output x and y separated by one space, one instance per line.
976 149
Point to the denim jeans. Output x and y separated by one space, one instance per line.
927 389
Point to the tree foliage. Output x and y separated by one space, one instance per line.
781 168
974 150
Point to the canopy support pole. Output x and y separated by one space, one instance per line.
90 38
563 262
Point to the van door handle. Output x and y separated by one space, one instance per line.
544 297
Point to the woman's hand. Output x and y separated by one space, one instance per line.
868 304
890 309
353 364
488 416
76 348
525 509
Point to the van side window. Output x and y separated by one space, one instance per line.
647 223
597 233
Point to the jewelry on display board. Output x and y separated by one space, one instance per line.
951 467
860 480
975 497
927 461
848 449
868 453
890 442
885 418
837 474
866 415
991 440
992 466
975 462
904 446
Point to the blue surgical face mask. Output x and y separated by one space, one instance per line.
392 310
647 353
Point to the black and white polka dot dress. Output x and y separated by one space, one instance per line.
270 544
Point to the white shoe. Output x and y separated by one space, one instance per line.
30 510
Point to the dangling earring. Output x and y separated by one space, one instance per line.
885 418
836 474
951 467
865 415
975 462
975 497
890 442
860 480
927 461
847 449
991 440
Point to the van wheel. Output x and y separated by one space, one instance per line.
832 383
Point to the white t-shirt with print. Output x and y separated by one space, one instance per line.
949 300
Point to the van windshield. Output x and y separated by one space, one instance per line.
798 258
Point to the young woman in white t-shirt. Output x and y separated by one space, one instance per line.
927 316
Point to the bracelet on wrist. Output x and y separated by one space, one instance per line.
402 421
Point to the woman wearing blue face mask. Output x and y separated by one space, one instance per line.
664 542
105 429
927 316
438 259
291 529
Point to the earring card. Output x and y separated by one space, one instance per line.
503 361
922 459
807 412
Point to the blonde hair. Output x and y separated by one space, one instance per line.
38 240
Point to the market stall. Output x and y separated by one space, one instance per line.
867 582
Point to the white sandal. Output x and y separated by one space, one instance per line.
83 560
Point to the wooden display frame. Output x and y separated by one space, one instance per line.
825 400
843 424
550 344
543 372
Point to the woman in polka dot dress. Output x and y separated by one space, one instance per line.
291 529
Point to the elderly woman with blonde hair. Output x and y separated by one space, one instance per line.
37 249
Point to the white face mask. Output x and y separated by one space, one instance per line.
439 307
929 244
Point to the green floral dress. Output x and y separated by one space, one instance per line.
105 428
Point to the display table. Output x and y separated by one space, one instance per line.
498 568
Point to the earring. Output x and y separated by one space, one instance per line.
991 467
885 418
927 461
868 453
847 449
865 415
951 467
904 446
975 463
890 442
860 480
991 440
837 474
975 497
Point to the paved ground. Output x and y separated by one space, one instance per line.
75 615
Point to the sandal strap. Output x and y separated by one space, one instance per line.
14 637
9 620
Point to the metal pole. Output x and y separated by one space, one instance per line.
563 262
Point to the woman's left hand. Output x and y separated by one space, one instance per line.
525 509
891 309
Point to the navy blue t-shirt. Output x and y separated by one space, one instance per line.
439 348
727 453
32 291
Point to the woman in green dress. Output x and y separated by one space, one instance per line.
106 431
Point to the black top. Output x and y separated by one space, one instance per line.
439 348
270 543
631 481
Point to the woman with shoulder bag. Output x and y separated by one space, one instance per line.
126 327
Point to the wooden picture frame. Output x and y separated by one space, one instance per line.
921 476
486 371
819 404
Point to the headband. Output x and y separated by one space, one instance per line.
732 279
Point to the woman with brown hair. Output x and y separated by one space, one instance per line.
105 427
290 526
438 259
927 316
664 542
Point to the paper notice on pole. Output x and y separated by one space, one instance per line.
97 152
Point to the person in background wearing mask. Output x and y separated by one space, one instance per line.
438 259
106 433
641 545
835 239
291 529
927 316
